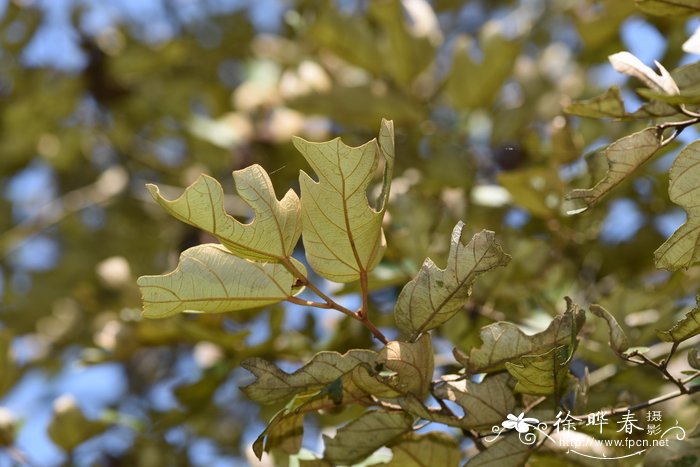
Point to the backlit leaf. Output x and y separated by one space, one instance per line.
284 432
435 295
413 364
504 341
485 404
618 339
684 329
364 435
541 375
274 385
624 157
607 105
270 236
343 234
682 249
211 279
669 7
430 449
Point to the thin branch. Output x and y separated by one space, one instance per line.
644 360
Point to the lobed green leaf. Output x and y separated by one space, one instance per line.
211 279
684 329
542 375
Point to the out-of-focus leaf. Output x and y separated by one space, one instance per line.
273 233
364 435
534 189
624 157
607 105
503 341
692 45
435 295
679 452
274 385
669 7
541 375
618 339
694 358
626 63
69 427
343 236
485 404
8 369
682 249
471 84
211 279
684 329
434 448
508 451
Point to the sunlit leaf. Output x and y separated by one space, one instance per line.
607 105
626 63
682 249
507 451
504 341
343 235
430 449
485 404
541 375
413 364
435 295
618 339
284 432
274 385
270 236
364 435
211 279
684 329
624 157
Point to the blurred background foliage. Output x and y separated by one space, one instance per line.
99 98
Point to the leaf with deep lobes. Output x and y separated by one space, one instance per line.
682 249
435 295
271 236
211 279
343 235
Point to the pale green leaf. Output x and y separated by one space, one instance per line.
428 450
606 105
618 339
508 451
694 358
274 385
624 157
485 404
211 279
273 233
435 295
364 435
669 7
541 375
504 341
684 329
343 235
682 249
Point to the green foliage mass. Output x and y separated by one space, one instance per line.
466 263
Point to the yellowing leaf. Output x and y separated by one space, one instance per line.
504 341
273 233
624 156
343 235
428 450
618 339
684 329
435 295
485 404
682 249
211 279
364 435
542 375
274 385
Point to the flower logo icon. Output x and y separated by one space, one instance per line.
520 423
